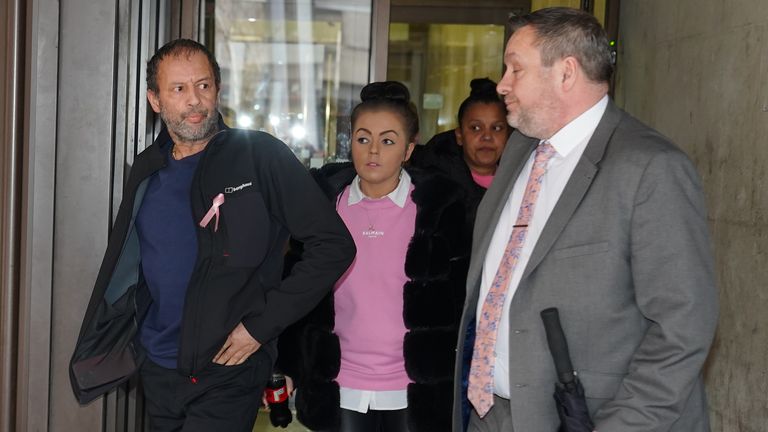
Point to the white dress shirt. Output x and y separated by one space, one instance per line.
398 196
569 142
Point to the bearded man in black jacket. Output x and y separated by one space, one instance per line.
190 292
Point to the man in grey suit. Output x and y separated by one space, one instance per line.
617 240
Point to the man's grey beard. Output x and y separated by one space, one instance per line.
187 133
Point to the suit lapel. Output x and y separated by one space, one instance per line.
577 186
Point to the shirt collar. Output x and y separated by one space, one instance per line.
579 129
399 196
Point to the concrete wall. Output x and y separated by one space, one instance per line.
698 72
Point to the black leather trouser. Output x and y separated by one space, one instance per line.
374 421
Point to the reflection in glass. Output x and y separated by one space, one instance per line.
292 68
437 62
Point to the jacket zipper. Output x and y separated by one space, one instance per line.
206 265
196 322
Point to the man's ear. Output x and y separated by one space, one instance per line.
154 101
459 136
569 72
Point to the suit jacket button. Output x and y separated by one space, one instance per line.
519 331
521 385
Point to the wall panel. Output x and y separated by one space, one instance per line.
11 81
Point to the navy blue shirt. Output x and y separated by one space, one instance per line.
168 242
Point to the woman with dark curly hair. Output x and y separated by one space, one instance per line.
470 153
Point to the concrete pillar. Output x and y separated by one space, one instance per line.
697 71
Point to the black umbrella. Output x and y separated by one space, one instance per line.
569 393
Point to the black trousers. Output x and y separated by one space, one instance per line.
374 421
220 398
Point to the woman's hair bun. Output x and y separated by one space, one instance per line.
482 87
389 90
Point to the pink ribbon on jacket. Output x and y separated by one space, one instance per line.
218 200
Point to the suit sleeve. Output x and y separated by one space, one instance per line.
672 272
299 205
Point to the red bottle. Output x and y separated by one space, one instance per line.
276 394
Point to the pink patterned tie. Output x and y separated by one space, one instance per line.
480 390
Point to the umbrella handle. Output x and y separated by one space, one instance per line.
558 345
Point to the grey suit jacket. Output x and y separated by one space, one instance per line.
625 256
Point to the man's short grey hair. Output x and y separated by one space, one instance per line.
562 32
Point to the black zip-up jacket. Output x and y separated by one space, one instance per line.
237 274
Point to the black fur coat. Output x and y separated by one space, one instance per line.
436 266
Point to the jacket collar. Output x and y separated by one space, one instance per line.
164 138
158 151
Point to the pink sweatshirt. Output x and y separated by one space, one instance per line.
369 296
482 180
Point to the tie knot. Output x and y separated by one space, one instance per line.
544 153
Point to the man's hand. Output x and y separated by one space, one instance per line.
237 348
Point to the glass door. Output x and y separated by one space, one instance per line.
292 68
436 47
437 62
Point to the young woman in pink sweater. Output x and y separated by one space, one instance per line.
377 354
